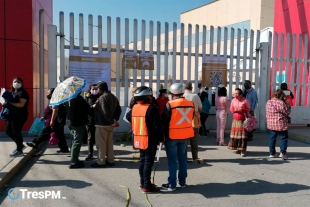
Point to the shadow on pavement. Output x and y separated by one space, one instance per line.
75 184
250 187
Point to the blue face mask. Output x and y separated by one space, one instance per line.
246 85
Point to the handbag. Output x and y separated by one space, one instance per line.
196 122
37 126
250 123
53 139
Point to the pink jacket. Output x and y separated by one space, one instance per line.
222 103
242 104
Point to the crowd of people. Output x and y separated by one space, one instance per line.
173 123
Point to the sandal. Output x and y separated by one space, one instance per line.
222 144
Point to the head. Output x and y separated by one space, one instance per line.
93 89
188 86
247 84
283 86
199 85
143 94
163 92
102 87
222 91
17 84
278 94
238 93
203 95
176 90
50 93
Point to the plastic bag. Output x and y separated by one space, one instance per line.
126 112
37 126
53 139
2 101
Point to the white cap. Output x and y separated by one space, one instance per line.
220 86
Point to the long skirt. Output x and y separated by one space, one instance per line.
238 136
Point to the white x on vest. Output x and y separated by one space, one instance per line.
184 115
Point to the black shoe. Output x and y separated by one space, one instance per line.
79 164
65 151
109 163
31 144
96 165
89 157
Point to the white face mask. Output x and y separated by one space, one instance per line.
17 85
94 92
166 95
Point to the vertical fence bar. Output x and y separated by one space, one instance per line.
118 56
62 45
158 49
81 32
166 53
109 34
211 54
174 50
298 70
238 57
251 56
135 42
288 39
41 60
275 58
231 61
189 51
126 85
204 43
293 86
52 56
304 83
225 49
151 34
257 61
281 59
90 33
71 30
218 45
196 57
143 30
245 51
99 33
268 65
182 54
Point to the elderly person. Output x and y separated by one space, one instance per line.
277 114
222 105
239 107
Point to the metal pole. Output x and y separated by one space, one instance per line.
41 59
52 56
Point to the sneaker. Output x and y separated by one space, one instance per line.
96 165
284 157
243 155
16 153
272 156
89 157
151 190
167 187
31 144
141 186
111 164
182 186
79 164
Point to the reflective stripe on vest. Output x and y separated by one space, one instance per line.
138 126
182 112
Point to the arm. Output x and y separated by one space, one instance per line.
21 103
208 104
255 100
199 103
54 115
103 103
118 112
232 108
285 109
129 115
166 117
156 122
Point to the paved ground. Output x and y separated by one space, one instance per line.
225 180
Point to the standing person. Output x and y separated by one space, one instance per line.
15 124
188 95
91 97
77 118
153 98
288 94
251 95
240 107
148 134
222 105
199 89
277 113
177 121
132 101
204 112
162 100
107 113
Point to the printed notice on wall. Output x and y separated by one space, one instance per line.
91 67
146 61
214 71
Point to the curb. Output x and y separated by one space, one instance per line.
10 174
299 137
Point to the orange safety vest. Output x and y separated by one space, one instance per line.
138 126
182 113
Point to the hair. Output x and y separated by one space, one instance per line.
19 79
199 85
90 86
283 86
141 98
248 81
278 94
203 95
222 91
239 91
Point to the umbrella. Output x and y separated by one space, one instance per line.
67 90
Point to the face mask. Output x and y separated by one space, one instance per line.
49 97
17 85
94 92
166 95
246 86
237 97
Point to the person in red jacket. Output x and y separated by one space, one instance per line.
162 100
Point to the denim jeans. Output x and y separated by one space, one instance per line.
176 154
273 139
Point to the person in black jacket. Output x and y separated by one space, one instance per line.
91 97
153 132
77 118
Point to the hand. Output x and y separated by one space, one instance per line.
116 124
93 106
52 124
161 143
42 118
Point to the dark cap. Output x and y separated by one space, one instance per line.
103 86
162 90
188 85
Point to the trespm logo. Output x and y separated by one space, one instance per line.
25 194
